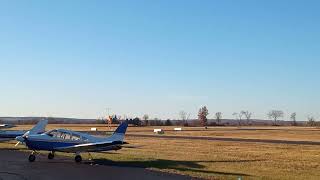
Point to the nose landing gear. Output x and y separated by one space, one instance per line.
51 155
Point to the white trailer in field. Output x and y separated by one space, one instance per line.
158 131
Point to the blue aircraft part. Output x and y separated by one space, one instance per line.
48 145
53 142
122 128
11 134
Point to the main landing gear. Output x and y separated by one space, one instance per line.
78 158
32 157
51 155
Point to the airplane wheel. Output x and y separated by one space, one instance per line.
50 156
78 158
32 158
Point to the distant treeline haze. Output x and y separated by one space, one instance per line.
242 118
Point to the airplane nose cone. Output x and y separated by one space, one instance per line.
20 139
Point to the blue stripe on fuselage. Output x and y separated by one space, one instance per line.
48 145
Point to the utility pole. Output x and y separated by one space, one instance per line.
108 118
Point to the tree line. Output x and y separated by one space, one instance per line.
243 117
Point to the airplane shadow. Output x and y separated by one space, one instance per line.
193 166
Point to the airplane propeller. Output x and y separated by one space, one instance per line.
22 139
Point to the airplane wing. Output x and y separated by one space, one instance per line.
92 147
40 127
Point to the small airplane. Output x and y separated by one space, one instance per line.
38 129
11 134
62 140
6 126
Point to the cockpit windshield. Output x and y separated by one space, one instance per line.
65 135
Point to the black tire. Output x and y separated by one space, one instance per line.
32 158
78 159
50 156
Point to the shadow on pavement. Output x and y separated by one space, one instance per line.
193 166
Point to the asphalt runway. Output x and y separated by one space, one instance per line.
14 165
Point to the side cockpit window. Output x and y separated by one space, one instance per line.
75 137
58 134
52 133
66 136
84 138
55 134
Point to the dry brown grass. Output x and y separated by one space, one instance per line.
217 160
220 160
277 133
223 160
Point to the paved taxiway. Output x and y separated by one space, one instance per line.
15 166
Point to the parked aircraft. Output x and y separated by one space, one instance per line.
6 126
11 134
61 140
37 129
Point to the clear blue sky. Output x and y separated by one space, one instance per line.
76 58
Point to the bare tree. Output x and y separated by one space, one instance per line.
235 116
238 116
247 115
183 115
168 122
202 115
218 117
145 118
293 118
275 115
311 121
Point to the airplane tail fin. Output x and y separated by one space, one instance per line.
39 127
119 133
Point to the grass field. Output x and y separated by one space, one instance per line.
251 132
218 159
